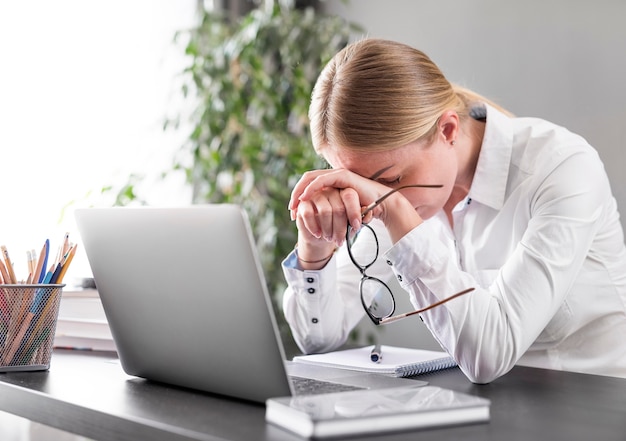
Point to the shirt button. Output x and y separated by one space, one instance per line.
311 290
314 320
310 279
390 263
399 278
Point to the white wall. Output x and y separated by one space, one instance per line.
563 60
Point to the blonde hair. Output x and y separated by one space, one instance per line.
377 95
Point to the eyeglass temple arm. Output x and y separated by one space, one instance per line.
373 205
419 311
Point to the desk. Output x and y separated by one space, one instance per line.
88 394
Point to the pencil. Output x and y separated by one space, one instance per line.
59 255
20 302
49 274
9 265
5 311
40 269
30 262
4 273
26 327
19 337
38 354
66 243
66 264
35 326
55 273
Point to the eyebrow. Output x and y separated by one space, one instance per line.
379 172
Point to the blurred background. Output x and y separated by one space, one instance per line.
87 87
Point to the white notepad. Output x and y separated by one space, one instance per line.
396 361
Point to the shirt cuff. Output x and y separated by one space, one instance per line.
310 283
291 261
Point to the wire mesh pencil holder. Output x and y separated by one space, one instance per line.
28 320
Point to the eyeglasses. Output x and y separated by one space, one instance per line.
376 297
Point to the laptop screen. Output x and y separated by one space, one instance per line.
185 297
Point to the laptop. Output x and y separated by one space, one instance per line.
187 303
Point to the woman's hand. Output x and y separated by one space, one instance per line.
324 201
322 216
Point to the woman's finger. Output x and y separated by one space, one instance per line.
338 178
304 181
330 213
351 202
307 219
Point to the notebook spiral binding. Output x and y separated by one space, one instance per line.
425 367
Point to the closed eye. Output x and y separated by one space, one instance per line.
389 182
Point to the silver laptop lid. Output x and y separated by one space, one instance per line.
185 297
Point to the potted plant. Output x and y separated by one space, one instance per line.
249 82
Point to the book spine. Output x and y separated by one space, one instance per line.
425 367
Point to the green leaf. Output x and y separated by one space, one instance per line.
248 84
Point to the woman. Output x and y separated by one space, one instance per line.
521 211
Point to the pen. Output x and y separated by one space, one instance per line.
376 354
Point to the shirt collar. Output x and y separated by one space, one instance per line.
492 170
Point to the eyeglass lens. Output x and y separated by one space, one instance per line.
366 252
376 296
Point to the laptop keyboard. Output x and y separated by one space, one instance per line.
310 386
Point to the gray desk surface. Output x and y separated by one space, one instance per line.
88 394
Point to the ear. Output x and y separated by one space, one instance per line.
448 126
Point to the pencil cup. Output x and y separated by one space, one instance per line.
28 320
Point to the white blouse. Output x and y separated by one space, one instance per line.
539 238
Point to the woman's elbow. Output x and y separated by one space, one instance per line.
481 372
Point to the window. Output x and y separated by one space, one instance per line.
84 89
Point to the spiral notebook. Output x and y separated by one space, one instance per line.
395 361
